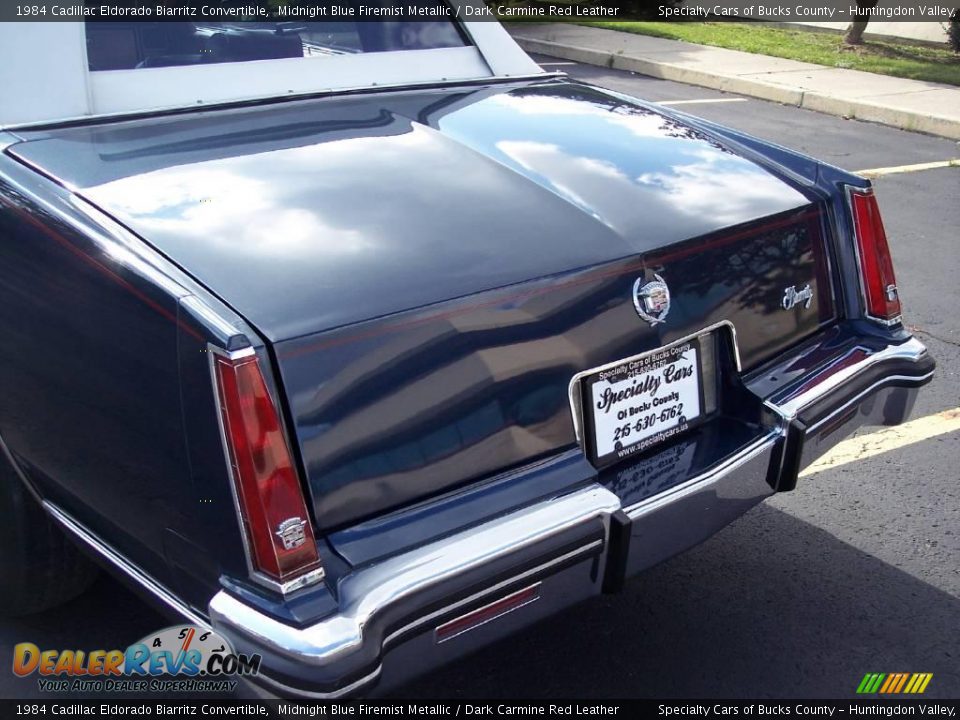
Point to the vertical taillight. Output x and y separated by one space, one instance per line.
880 296
279 536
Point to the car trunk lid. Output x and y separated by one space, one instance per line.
395 409
432 267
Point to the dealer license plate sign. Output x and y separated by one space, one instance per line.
631 406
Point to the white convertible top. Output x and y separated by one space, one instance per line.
44 73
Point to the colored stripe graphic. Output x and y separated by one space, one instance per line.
894 683
870 683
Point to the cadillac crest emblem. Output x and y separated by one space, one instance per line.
291 533
652 300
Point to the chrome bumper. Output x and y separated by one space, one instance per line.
384 603
558 552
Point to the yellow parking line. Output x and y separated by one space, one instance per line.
896 169
887 439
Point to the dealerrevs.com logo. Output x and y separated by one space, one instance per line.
182 658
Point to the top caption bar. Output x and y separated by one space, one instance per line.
413 11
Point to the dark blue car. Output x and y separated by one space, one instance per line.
364 344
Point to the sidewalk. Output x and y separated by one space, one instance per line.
907 104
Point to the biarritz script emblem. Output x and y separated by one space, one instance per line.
793 297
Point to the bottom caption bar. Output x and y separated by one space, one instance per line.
888 707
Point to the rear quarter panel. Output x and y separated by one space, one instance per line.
90 385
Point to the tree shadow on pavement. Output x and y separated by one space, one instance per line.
106 617
772 607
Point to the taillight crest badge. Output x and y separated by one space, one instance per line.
652 300
291 533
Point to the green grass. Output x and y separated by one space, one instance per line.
887 57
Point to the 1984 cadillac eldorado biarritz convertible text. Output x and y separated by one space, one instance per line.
366 344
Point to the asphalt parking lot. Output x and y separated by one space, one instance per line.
856 571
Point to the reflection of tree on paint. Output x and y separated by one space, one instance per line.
764 265
667 125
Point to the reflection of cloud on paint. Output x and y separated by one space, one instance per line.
221 208
703 184
532 155
180 194
567 175
717 186
639 122
600 168
336 156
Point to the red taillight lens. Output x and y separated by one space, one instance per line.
278 529
876 267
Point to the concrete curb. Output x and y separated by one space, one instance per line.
830 104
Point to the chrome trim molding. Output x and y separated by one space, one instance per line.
573 393
311 577
110 237
912 351
214 320
120 244
213 351
5 450
7 139
892 322
229 354
134 573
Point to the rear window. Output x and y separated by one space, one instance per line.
119 45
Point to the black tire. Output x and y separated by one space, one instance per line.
40 567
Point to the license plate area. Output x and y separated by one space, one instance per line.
638 403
